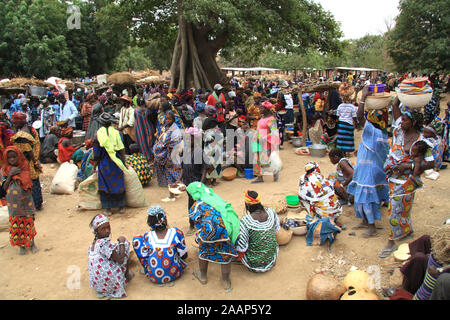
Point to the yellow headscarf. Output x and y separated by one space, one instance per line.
109 138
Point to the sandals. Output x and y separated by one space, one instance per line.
168 199
387 252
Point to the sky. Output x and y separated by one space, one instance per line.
361 17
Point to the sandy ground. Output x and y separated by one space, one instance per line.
64 237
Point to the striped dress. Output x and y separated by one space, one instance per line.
345 138
257 240
429 282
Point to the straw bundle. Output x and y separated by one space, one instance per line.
121 78
22 82
440 245
144 74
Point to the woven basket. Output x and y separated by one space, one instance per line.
377 101
415 101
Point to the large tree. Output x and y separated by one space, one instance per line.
200 29
421 38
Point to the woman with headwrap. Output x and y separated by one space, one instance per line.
265 141
109 157
94 123
218 229
49 145
164 107
167 170
67 151
86 110
400 167
162 250
18 191
87 162
108 265
26 139
213 147
317 194
369 185
200 119
253 110
257 244
144 124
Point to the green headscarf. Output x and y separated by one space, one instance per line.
200 192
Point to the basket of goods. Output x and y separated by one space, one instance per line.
402 253
377 101
321 287
415 93
229 174
377 88
280 207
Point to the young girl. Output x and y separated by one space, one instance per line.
108 261
347 119
161 251
18 191
343 175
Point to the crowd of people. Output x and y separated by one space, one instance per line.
187 138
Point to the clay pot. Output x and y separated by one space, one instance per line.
321 287
283 236
359 280
361 294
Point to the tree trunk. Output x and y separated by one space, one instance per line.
194 59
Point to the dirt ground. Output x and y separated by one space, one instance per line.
63 237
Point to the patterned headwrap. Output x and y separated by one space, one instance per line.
89 144
200 106
438 125
19 116
249 200
102 98
155 211
98 221
312 167
257 94
66 132
379 118
413 114
268 105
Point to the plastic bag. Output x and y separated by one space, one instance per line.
4 218
134 192
275 162
88 196
65 179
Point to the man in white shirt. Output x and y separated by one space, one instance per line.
68 111
289 106
126 121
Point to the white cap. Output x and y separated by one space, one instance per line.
218 87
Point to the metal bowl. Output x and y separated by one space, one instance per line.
318 150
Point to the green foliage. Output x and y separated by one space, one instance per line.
421 38
35 40
131 58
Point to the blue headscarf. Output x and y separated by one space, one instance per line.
157 211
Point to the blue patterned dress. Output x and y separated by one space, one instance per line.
162 151
161 258
111 184
214 243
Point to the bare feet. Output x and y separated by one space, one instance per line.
34 249
226 283
108 213
362 225
22 251
122 210
200 277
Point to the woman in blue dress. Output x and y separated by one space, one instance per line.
369 185
109 157
161 251
218 229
